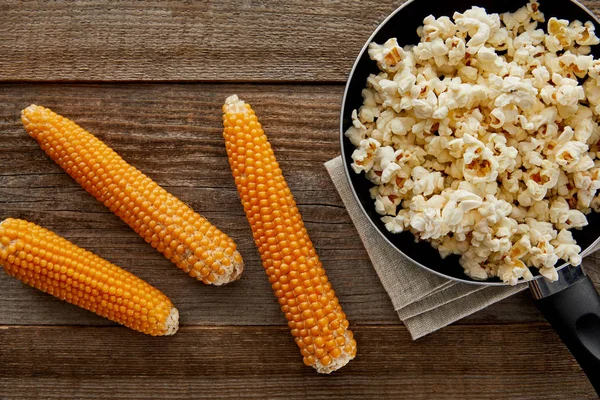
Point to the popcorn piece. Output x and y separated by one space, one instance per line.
514 270
363 155
397 224
564 218
592 88
450 245
566 248
565 93
586 32
433 28
472 263
358 131
426 183
518 92
542 255
578 64
390 172
389 56
480 165
540 210
478 25
386 205
560 37
523 17
459 204
572 156
426 217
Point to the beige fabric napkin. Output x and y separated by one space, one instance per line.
424 301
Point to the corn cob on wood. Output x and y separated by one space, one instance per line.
169 225
52 264
305 295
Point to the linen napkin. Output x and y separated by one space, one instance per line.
424 301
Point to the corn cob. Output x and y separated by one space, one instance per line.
54 265
169 225
297 277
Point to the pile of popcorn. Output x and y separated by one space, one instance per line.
483 139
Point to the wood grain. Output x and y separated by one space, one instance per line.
185 41
293 41
478 362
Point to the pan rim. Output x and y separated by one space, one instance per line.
347 170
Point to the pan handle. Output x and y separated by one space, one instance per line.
572 307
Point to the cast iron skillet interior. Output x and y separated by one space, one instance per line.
403 24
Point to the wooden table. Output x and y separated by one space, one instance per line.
149 78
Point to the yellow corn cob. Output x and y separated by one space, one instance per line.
169 225
313 312
54 265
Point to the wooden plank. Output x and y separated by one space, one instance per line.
181 126
474 362
190 41
187 41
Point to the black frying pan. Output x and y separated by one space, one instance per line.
571 305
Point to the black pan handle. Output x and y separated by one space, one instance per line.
574 313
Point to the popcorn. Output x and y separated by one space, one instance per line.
457 49
472 263
386 205
478 25
542 255
560 37
426 217
564 218
592 93
358 131
565 93
578 64
363 155
539 179
506 156
397 224
450 245
479 163
514 270
566 248
586 32
426 183
549 273
540 210
460 203
526 16
583 123
584 199
572 156
390 172
433 28
518 92
481 140
389 57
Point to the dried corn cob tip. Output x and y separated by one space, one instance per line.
54 265
318 324
170 226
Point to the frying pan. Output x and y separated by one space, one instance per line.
571 305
